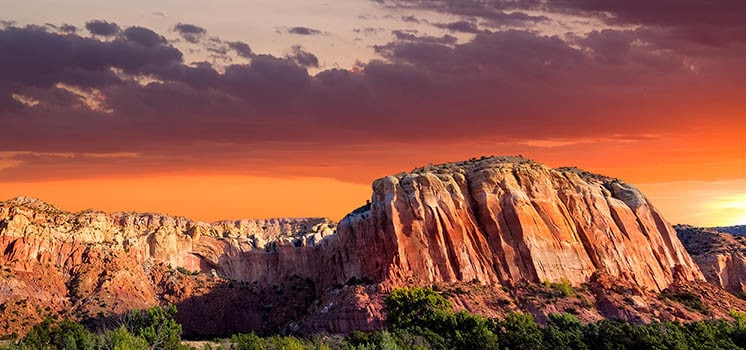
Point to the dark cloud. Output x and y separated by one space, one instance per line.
304 31
77 60
67 28
242 49
103 28
304 58
505 85
705 22
408 36
459 26
496 13
143 36
410 19
190 32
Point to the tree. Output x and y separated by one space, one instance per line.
122 339
65 335
415 307
519 331
564 331
156 325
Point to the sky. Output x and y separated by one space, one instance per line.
250 109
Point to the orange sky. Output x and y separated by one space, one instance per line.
238 109
705 192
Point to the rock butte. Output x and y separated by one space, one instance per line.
494 221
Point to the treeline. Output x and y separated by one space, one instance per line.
419 318
154 328
422 318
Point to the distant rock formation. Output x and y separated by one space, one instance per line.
495 225
721 256
734 230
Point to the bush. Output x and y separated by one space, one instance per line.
247 342
565 331
519 331
414 306
690 300
122 339
156 325
563 286
65 335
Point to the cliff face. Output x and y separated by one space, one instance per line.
94 265
502 221
490 222
721 256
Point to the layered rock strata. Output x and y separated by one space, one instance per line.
497 221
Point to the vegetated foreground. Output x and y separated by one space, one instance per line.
496 235
419 318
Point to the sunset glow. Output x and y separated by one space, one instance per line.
236 109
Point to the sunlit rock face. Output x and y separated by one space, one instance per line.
720 255
494 222
504 220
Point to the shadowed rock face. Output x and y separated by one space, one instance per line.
493 221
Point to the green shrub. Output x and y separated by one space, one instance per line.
563 286
519 331
247 342
65 335
156 325
414 306
121 339
690 301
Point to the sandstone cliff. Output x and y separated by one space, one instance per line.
494 224
503 220
721 256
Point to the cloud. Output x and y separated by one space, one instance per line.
190 32
67 28
407 36
102 28
133 92
242 49
304 31
702 22
143 36
78 60
496 13
368 30
303 58
459 26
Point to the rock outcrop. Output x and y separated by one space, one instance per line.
721 256
497 222
504 220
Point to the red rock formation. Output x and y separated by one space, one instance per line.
489 222
721 256
502 221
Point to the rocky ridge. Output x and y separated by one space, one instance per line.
494 226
